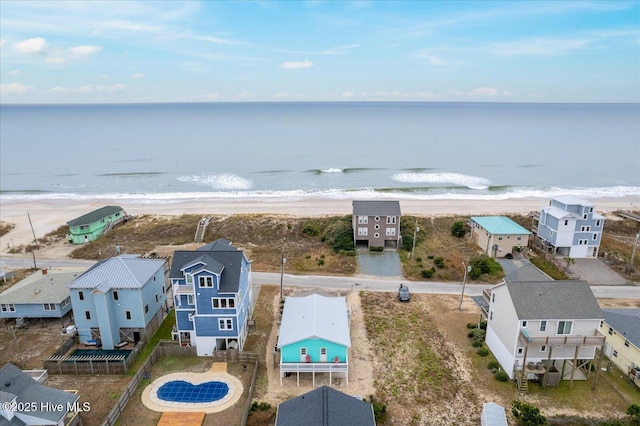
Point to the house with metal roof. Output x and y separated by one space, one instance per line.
498 236
325 406
314 337
622 328
376 223
43 294
27 402
118 300
568 226
213 296
543 330
90 226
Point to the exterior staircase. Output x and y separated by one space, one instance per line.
523 385
202 227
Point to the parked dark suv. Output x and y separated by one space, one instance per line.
403 293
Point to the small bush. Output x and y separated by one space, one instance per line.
259 406
470 334
430 257
418 259
493 364
320 262
476 344
501 376
376 248
478 334
439 262
347 252
427 273
483 324
527 414
458 229
379 410
311 229
471 325
483 352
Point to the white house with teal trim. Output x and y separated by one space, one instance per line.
570 227
119 300
213 297
314 337
498 236
43 294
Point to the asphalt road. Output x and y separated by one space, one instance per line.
366 283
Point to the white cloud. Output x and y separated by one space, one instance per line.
348 94
336 50
537 46
54 60
32 45
137 75
84 50
14 88
88 88
484 91
296 65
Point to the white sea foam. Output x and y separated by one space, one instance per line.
473 182
331 170
224 181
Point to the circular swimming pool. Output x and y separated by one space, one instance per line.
181 391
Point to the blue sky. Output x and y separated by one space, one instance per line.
144 51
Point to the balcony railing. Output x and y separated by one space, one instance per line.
183 289
314 367
569 339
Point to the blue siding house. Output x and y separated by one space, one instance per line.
43 294
314 336
119 300
213 296
570 227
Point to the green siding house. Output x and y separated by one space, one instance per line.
90 226
314 337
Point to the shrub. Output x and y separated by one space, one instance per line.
476 344
338 234
527 414
493 364
471 325
458 229
379 410
486 265
428 273
376 248
634 413
259 406
311 229
483 351
430 257
320 262
470 334
418 259
478 334
347 252
501 376
439 262
483 324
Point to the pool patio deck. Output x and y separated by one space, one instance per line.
217 372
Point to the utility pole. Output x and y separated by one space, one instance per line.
464 283
283 260
633 254
35 240
415 233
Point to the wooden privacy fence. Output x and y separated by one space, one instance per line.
90 364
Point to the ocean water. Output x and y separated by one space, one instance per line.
268 151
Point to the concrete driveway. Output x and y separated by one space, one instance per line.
379 264
595 272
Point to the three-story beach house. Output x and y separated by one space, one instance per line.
376 223
212 296
90 226
569 227
498 236
314 337
545 330
119 300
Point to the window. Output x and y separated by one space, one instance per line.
585 229
391 220
225 324
49 306
595 237
543 348
323 351
10 307
65 302
598 223
610 331
524 324
584 216
128 314
564 327
615 354
190 317
493 297
156 298
391 232
626 343
223 303
146 308
189 279
215 303
519 351
80 295
206 281
303 351
519 238
566 222
115 295
490 315
363 220
500 238
543 326
376 226
376 235
189 299
377 218
363 232
590 209
87 315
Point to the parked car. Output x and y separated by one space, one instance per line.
403 293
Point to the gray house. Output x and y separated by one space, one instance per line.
376 223
27 402
43 294
325 406
570 227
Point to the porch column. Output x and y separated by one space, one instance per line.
595 381
573 367
546 375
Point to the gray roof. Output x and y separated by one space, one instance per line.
219 257
325 406
376 208
527 272
314 317
625 322
572 200
125 271
545 300
16 382
41 287
95 215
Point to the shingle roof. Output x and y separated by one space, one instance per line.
325 406
41 288
95 215
559 213
500 225
625 322
125 271
314 317
28 391
376 208
554 300
219 257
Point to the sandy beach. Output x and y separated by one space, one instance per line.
48 215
